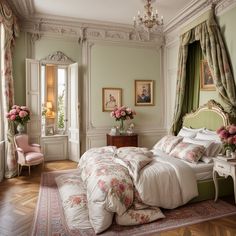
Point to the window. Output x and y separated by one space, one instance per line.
61 99
54 99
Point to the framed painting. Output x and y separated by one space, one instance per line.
144 94
50 130
207 82
111 98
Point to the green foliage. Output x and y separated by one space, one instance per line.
61 112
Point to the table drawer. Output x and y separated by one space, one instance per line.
222 167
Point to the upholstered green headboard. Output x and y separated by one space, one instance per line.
210 116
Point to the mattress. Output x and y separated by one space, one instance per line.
202 170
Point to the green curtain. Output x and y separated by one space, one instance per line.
213 50
192 86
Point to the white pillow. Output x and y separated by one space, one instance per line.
167 143
186 132
207 159
193 130
210 146
207 131
208 136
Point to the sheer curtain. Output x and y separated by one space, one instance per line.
9 31
213 50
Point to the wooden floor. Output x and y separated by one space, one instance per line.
18 198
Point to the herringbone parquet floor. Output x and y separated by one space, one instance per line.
18 198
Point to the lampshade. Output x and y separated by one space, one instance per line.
49 105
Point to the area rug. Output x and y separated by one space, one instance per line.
49 217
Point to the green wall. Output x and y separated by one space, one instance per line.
117 66
227 26
43 48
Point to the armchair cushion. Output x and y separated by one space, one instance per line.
33 156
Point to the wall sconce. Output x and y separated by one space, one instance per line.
49 113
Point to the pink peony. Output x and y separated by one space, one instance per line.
123 113
23 114
12 117
230 140
13 112
232 129
224 134
220 129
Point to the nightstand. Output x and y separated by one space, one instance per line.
122 140
224 168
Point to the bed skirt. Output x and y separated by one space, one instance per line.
206 189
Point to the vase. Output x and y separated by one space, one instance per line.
122 127
20 128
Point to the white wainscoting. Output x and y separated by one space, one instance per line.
146 137
2 158
55 147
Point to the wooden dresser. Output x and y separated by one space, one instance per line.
122 140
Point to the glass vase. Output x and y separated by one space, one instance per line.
122 127
20 128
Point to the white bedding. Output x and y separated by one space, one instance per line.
202 170
159 181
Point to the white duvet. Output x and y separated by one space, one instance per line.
116 181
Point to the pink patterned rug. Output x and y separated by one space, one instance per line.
49 216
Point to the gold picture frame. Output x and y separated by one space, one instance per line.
111 98
207 82
144 92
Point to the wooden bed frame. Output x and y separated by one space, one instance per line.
210 116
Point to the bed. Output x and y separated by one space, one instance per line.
130 184
211 116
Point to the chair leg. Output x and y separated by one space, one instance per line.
29 170
18 169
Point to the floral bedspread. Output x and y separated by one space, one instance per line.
132 185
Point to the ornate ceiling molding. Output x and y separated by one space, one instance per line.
195 8
57 57
22 8
82 31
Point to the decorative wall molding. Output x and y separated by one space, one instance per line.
57 57
196 8
22 8
224 6
83 31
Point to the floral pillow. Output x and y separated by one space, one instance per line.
167 143
74 201
142 216
188 151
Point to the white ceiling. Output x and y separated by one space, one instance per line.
117 11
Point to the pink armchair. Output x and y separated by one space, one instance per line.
28 154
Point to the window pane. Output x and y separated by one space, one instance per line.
61 99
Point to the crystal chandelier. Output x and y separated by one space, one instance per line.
149 18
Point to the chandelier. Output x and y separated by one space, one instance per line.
149 18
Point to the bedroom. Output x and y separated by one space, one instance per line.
109 55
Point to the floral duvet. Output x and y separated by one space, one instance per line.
132 184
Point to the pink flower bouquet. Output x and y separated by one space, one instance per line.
123 113
227 135
19 114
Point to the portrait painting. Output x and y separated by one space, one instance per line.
111 98
144 93
207 82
